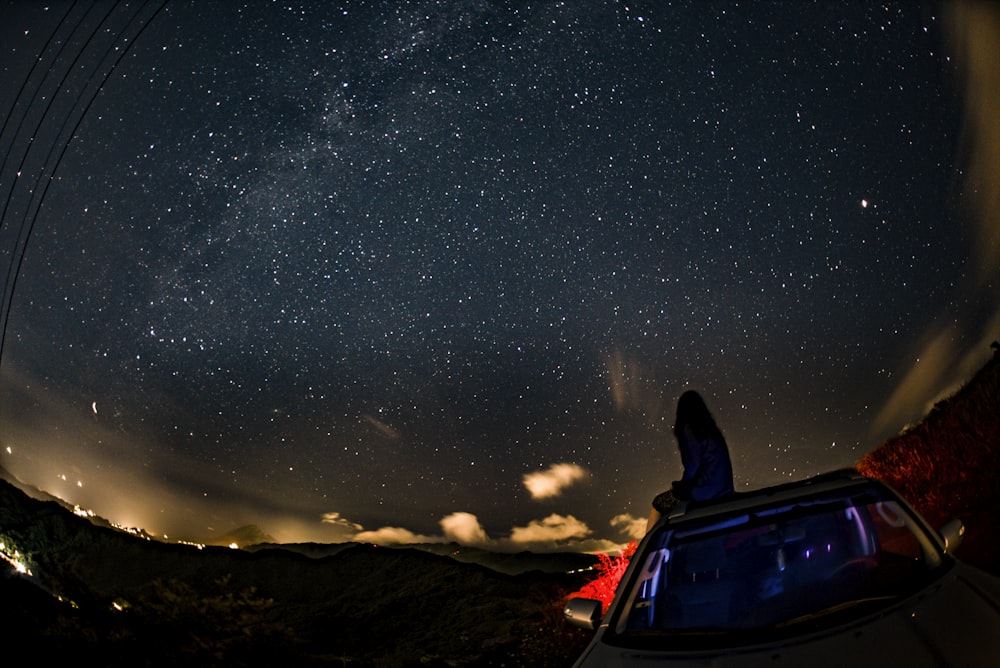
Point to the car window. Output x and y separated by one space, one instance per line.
777 568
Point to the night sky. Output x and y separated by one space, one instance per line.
440 270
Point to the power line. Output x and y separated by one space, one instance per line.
86 93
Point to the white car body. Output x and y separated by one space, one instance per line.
837 570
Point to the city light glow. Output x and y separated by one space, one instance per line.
15 559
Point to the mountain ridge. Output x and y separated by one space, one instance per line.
243 602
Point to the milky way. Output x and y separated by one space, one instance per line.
435 270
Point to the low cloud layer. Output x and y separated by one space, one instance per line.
464 528
630 525
554 532
554 528
550 533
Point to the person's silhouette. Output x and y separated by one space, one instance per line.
708 471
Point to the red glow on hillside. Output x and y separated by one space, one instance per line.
610 571
945 464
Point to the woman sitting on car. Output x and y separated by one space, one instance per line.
708 471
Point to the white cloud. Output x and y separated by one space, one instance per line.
464 528
552 481
630 525
393 536
340 522
460 527
553 529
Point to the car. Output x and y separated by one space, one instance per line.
835 570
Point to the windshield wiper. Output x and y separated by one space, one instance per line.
833 609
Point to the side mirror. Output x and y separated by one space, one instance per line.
584 613
952 533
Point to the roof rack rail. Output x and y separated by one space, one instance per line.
681 508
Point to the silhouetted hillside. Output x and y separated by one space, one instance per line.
250 534
140 602
502 562
947 465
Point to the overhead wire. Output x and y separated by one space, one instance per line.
122 42
37 94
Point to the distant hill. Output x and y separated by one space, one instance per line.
41 495
947 465
142 602
250 534
31 490
253 539
502 562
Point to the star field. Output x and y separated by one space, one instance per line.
378 262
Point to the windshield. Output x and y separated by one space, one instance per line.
774 569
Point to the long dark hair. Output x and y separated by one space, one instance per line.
693 413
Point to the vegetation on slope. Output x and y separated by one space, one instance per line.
946 465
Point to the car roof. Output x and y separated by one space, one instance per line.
744 501
840 481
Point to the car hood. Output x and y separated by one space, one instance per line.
954 622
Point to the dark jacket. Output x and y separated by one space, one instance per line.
708 472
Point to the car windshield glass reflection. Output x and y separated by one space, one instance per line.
777 568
